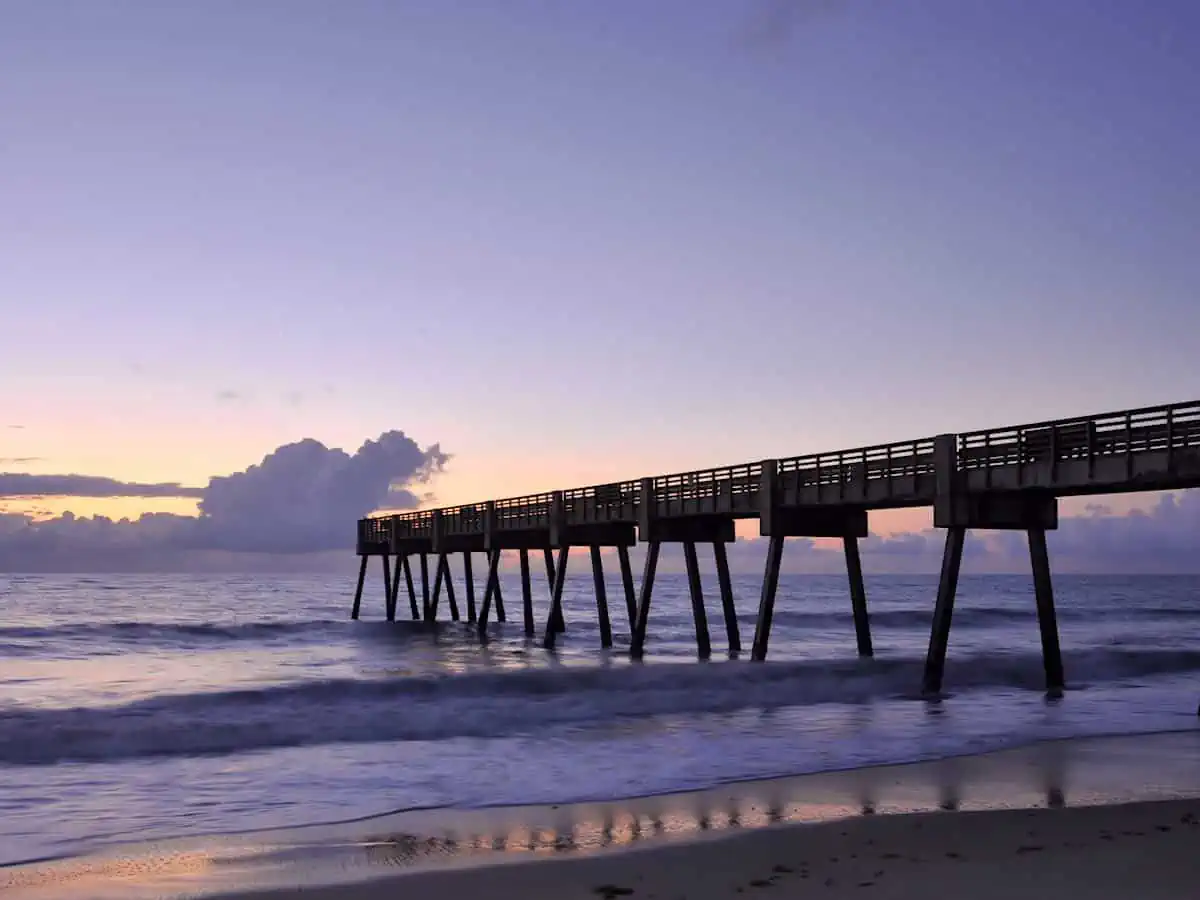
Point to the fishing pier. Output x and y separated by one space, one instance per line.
1003 478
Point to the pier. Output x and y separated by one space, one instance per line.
1003 478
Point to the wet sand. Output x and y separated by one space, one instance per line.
1109 817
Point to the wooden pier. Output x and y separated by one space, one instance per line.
1004 478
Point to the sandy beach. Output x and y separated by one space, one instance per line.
1109 818
1140 850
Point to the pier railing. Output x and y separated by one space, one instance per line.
729 490
461 520
603 503
528 513
882 474
373 532
1133 446
1139 449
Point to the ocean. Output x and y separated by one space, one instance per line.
139 708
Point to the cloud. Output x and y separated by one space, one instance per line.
301 498
305 496
229 396
19 484
19 460
16 427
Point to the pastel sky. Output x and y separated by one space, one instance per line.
571 242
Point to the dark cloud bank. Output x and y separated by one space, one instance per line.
295 511
300 502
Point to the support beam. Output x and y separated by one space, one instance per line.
560 624
395 587
627 583
727 606
527 595
560 577
699 615
387 588
858 597
490 585
499 594
601 598
766 605
362 576
412 594
469 578
427 612
1047 620
637 644
439 571
450 587
939 637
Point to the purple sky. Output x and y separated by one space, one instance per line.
575 242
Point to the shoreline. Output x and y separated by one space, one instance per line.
1062 775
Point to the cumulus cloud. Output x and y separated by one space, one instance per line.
301 498
305 496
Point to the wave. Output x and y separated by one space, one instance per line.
118 637
495 704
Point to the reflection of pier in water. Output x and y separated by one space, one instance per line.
590 828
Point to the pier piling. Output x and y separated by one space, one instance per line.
395 592
527 595
858 597
627 585
388 607
560 577
560 623
943 611
439 574
469 578
412 594
766 606
501 616
637 644
490 586
601 598
427 610
1047 620
699 615
362 575
728 610
450 587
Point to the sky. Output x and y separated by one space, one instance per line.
530 245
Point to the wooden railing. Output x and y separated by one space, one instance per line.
1145 430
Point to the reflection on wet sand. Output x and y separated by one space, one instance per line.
610 826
